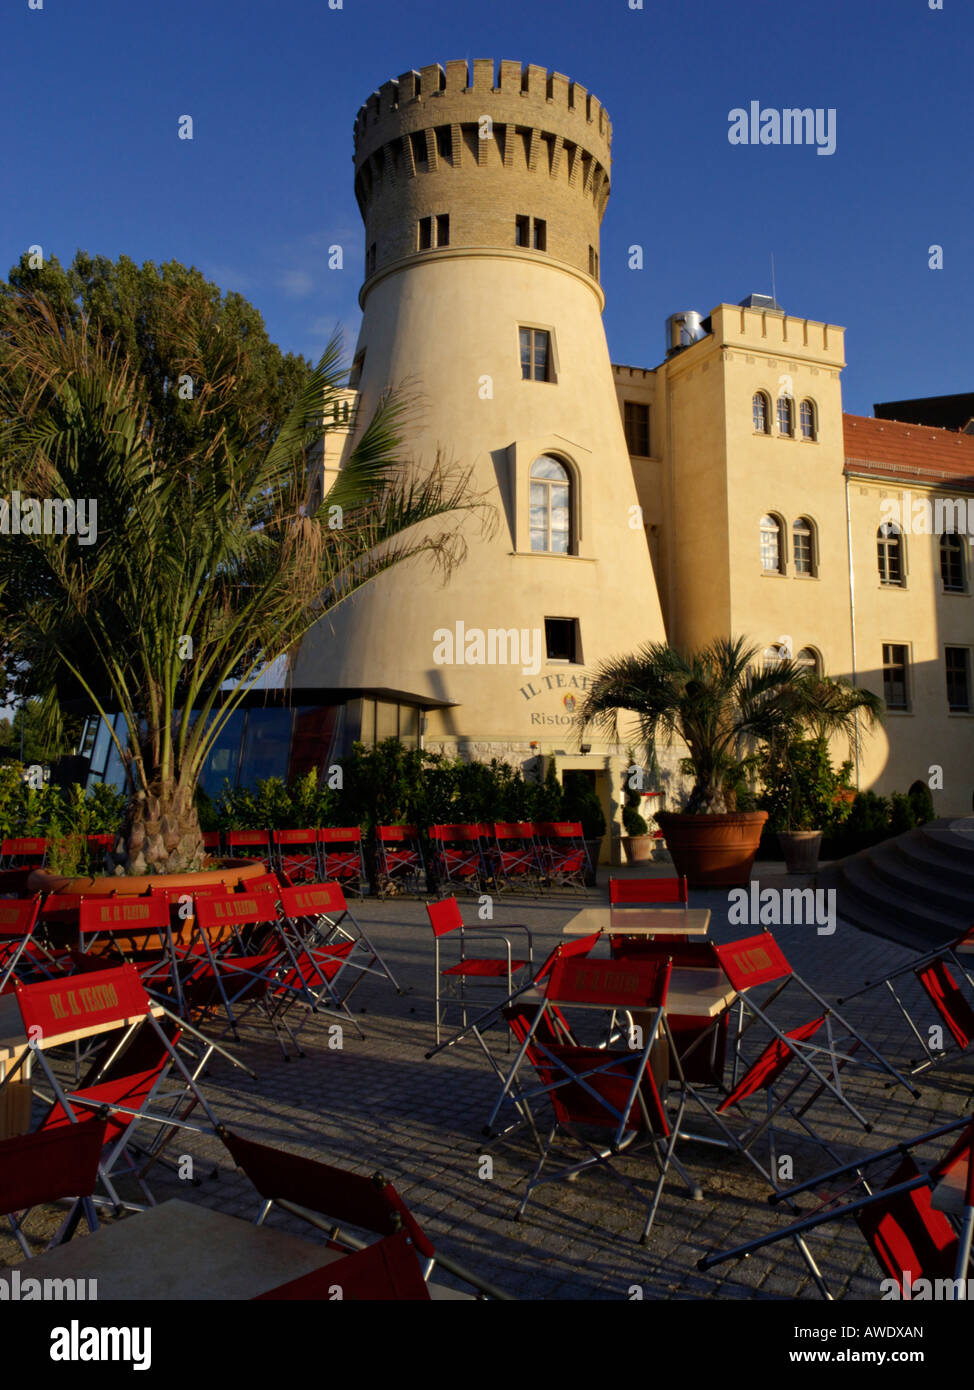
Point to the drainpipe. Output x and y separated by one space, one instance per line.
852 621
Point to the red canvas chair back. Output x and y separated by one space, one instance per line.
371 1204
17 918
386 1271
93 1001
615 984
211 839
400 853
624 891
313 900
341 853
766 1069
754 960
946 997
237 839
23 850
100 841
50 1165
444 916
297 853
235 910
684 952
390 834
906 1235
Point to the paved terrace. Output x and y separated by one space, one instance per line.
378 1104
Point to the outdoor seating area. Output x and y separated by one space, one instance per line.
577 1076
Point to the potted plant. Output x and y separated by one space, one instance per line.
213 556
804 795
722 706
637 843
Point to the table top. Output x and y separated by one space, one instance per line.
700 993
639 921
13 1042
179 1250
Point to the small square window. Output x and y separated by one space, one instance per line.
540 234
522 231
561 640
636 423
443 229
444 141
425 233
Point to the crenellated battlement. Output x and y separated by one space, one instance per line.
521 94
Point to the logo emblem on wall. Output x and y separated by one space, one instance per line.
569 703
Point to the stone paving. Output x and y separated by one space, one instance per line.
378 1103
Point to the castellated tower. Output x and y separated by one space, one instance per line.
482 193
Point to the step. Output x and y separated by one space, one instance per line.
860 881
893 870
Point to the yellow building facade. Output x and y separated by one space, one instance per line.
722 491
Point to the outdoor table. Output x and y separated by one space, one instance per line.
179 1250
639 921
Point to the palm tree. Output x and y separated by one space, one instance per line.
208 566
721 706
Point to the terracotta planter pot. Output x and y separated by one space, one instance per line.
713 851
638 849
800 849
135 945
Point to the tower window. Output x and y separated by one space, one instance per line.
786 424
807 419
540 234
443 229
425 233
957 662
952 563
593 262
444 141
536 362
636 423
772 559
531 232
759 410
809 662
894 676
889 550
551 507
419 150
561 639
803 546
522 231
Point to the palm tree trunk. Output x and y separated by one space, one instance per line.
161 832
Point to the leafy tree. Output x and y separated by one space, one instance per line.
212 557
41 742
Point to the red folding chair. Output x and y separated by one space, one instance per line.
445 919
18 918
601 1087
23 852
296 854
312 1190
565 854
387 1271
459 856
400 856
642 892
318 921
942 987
513 855
211 840
819 1049
52 1166
910 1238
251 844
127 1092
341 859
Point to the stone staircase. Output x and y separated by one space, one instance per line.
916 889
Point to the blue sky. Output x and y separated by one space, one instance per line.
93 91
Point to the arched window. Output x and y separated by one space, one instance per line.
773 656
786 416
808 422
952 563
809 660
551 506
760 413
889 544
772 550
803 546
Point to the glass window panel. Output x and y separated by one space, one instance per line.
545 467
525 352
222 761
267 743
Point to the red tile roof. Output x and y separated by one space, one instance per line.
916 453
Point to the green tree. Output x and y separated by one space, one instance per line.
213 558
